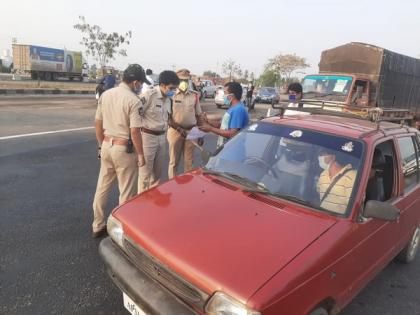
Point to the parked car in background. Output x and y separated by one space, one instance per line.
267 95
209 89
251 232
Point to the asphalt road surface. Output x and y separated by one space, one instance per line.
48 261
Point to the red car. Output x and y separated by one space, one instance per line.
294 215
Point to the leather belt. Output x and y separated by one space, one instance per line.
152 132
115 140
185 128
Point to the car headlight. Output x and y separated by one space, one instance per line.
222 304
115 230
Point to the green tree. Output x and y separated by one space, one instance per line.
284 65
93 71
231 68
211 74
269 78
246 75
100 45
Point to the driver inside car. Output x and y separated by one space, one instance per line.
336 181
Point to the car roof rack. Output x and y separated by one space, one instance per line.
373 114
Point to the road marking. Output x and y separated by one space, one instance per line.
44 133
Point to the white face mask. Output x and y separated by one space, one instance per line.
322 163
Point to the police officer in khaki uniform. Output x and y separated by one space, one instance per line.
117 125
155 108
186 111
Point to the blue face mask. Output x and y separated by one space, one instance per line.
170 93
292 97
226 101
138 90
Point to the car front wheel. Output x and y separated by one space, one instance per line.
319 311
409 252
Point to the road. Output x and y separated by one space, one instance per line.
49 263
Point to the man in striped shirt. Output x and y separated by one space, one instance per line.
336 182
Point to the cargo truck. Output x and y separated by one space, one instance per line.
48 64
359 77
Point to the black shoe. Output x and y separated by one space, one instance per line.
100 233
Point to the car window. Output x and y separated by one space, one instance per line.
285 161
409 161
383 167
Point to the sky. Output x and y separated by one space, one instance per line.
202 35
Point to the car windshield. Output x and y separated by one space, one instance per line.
268 91
290 163
327 87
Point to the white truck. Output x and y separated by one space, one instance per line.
48 64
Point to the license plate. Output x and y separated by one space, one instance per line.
132 307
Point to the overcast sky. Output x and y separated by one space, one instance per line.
201 35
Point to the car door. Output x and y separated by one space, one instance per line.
373 241
409 205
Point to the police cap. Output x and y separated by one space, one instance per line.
135 72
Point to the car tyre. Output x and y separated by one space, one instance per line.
409 252
319 311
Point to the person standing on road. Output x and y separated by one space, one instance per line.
109 80
146 86
235 118
155 108
295 94
117 126
186 112
249 94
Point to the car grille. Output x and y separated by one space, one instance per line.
178 286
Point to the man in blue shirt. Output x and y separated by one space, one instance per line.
235 118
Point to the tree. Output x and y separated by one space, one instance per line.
211 74
252 77
269 78
93 71
231 68
100 45
284 65
246 75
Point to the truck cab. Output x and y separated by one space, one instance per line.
345 89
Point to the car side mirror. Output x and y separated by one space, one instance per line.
380 210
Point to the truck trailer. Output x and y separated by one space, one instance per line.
48 64
366 76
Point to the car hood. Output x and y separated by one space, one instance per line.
215 235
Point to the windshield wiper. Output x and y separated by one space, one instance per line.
293 198
236 178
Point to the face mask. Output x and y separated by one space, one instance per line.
170 93
137 90
292 97
322 163
183 86
226 100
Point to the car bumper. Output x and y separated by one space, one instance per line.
143 290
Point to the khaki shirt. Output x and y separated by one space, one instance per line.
118 110
339 196
154 110
185 107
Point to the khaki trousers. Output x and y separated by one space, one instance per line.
179 145
154 148
116 163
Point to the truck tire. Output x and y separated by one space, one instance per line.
409 252
71 78
41 75
54 77
47 76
